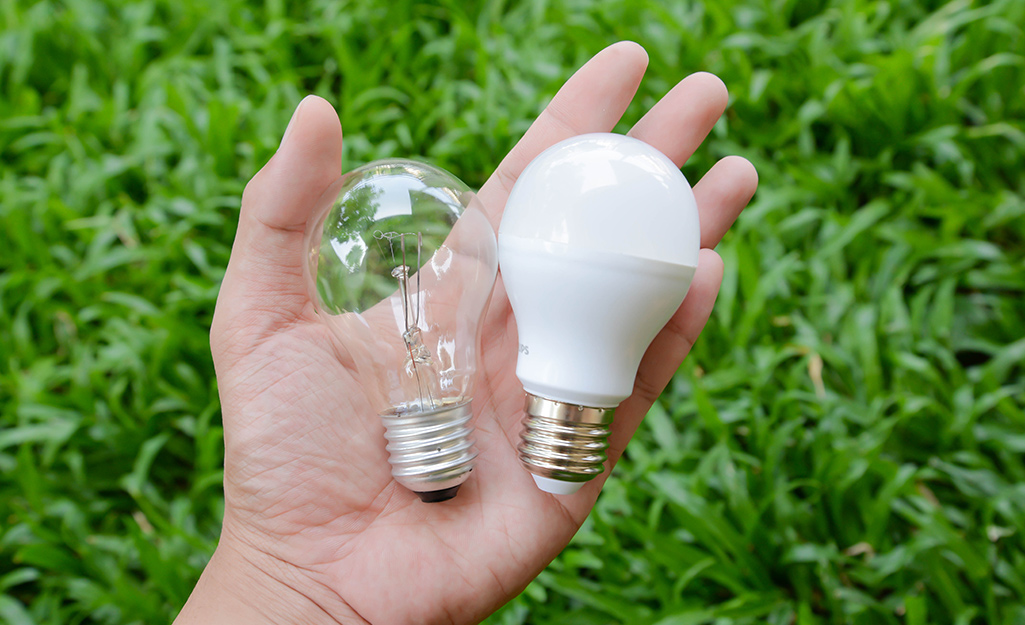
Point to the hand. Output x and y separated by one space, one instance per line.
315 529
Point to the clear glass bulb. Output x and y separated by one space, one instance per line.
401 264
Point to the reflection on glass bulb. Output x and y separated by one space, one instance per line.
401 265
599 242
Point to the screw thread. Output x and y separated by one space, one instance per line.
431 451
564 441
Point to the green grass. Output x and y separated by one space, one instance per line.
845 444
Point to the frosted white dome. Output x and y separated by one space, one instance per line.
602 192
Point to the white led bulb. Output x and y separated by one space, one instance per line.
598 246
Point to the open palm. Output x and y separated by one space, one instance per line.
315 529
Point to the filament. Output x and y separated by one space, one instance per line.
416 352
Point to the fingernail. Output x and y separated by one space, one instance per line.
291 122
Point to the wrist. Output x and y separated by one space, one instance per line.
243 585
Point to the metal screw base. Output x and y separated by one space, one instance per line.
564 441
431 451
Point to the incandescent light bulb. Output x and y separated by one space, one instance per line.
401 263
598 245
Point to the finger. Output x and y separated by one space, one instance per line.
592 100
676 126
667 351
264 275
721 194
681 120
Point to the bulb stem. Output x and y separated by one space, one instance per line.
563 441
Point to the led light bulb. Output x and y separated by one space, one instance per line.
401 263
598 246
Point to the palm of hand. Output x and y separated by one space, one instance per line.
307 482
311 484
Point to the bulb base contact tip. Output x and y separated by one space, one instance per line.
563 445
431 452
436 496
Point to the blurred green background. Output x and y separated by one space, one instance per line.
845 444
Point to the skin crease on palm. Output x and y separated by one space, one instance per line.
315 529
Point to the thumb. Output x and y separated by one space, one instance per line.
263 286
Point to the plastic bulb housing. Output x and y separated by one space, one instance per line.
401 264
598 246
